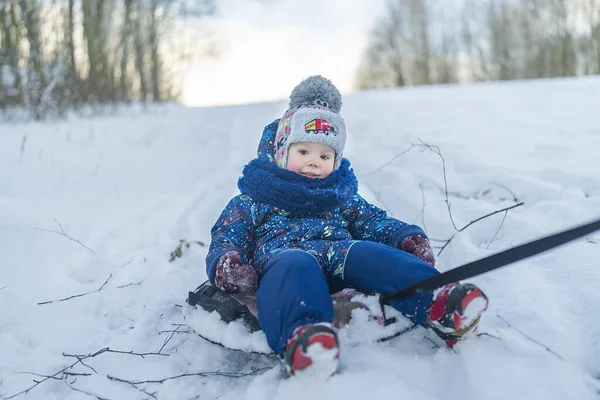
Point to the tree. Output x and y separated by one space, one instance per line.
497 39
98 52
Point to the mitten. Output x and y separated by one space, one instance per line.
233 277
419 246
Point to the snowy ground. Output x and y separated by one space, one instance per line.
125 189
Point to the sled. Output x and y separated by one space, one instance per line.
231 320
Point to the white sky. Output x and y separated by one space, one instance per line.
270 46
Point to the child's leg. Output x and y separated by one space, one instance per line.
292 292
378 268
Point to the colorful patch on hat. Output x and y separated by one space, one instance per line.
320 125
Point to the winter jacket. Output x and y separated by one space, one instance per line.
279 210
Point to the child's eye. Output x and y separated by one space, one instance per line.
325 157
303 152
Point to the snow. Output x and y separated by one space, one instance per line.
96 205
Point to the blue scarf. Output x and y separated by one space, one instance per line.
267 183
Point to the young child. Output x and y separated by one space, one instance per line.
301 229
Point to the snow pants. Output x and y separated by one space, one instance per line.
295 291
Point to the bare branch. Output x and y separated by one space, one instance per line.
446 244
380 200
84 392
423 207
174 330
389 162
94 291
48 377
61 374
153 395
77 295
488 334
178 252
479 219
38 375
109 350
490 214
437 151
168 339
130 284
548 349
63 233
498 230
515 198
77 374
235 375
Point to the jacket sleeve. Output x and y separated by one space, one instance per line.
233 231
368 222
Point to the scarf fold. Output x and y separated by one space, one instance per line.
266 182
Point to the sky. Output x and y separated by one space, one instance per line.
270 46
92 207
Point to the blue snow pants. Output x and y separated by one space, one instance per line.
295 291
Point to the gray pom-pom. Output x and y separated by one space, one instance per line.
316 88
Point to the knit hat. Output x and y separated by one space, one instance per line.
313 116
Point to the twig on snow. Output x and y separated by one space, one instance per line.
445 244
498 230
48 377
109 350
389 162
479 219
83 391
435 149
153 394
490 214
548 349
63 233
62 373
183 244
380 200
77 295
423 207
94 291
168 339
130 284
176 330
487 334
515 198
235 375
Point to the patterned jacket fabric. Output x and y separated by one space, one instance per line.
279 210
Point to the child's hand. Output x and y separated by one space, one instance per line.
233 277
419 246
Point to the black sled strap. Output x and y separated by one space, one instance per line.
495 261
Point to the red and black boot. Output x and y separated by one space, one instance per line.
313 350
456 310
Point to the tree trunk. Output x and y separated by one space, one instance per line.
156 63
30 13
3 55
124 94
70 41
90 41
13 42
140 52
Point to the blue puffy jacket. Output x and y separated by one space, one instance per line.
279 210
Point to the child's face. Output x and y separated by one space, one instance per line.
313 160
